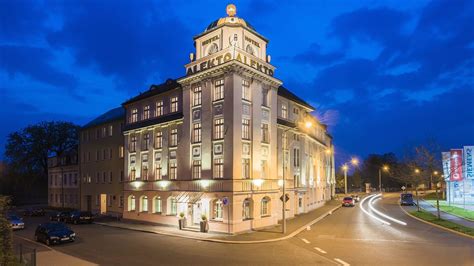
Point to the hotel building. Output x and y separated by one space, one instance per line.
219 140
102 164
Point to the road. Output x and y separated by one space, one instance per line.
348 237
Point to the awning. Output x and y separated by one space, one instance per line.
188 197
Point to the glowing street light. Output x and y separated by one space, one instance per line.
385 169
354 161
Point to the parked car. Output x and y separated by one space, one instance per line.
54 233
34 212
348 202
60 216
406 199
77 217
356 198
15 222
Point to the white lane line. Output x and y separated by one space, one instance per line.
305 240
342 262
371 202
320 250
370 214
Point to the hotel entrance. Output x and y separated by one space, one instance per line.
103 203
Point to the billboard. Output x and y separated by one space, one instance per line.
468 162
446 156
456 165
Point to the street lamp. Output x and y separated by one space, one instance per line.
345 168
307 125
385 169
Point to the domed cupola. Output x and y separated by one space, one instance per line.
230 20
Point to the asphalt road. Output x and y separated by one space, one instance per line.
347 237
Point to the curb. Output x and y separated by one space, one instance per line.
435 225
464 218
294 233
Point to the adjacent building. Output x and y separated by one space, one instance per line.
101 164
224 140
63 181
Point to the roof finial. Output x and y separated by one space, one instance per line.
231 10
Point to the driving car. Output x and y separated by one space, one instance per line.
356 198
77 217
60 216
15 222
54 233
348 202
406 199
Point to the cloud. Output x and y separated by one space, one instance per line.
314 56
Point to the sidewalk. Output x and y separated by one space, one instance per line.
446 216
294 226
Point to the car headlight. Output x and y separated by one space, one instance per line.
73 235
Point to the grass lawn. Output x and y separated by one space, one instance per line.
427 216
443 205
432 196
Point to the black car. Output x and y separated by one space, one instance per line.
54 233
34 212
60 216
77 217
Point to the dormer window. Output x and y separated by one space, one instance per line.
213 49
249 49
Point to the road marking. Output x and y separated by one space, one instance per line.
371 202
320 250
304 240
342 262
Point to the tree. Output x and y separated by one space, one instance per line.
28 149
6 242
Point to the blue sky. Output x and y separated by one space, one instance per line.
383 75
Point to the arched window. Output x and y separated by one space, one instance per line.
172 206
249 49
247 209
144 204
217 210
157 204
265 207
131 203
212 49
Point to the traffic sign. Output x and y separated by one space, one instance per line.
403 188
225 201
286 198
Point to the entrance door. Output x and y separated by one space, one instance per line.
197 212
89 203
300 204
103 203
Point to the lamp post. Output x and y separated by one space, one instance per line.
435 173
345 168
417 171
307 125
384 168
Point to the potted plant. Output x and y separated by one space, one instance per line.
204 224
182 221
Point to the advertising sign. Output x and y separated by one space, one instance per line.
468 162
446 163
456 165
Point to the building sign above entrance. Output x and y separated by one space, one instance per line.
216 60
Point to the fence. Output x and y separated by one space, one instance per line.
25 255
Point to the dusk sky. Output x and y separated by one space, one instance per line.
383 75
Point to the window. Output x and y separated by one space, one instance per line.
196 137
134 115
245 128
120 203
196 169
157 205
218 168
159 140
174 104
263 169
217 210
284 140
265 133
173 206
111 177
265 207
133 174
246 90
104 132
133 159
247 209
158 168
296 157
146 141
219 89
121 175
265 101
174 137
245 168
146 112
296 111
144 166
159 108
284 111
121 151
104 177
133 143
173 171
131 203
111 129
219 128
110 198
144 204
97 178
197 95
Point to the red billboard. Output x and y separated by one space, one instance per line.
456 165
